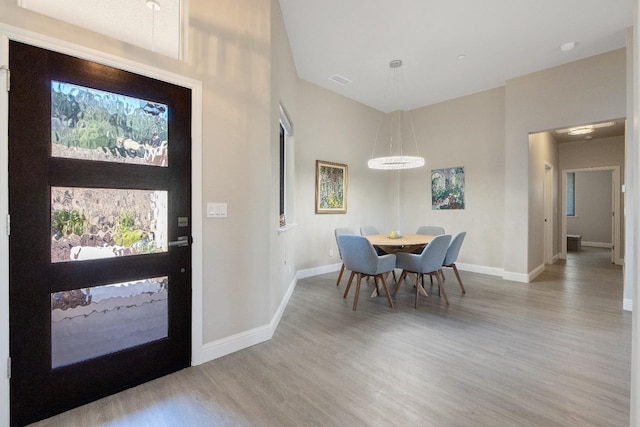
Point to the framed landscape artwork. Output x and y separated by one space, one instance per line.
447 188
331 187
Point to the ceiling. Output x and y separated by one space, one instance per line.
499 39
132 21
448 48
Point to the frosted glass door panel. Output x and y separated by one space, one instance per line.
91 124
95 223
92 322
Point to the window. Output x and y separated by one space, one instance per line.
283 180
286 170
571 194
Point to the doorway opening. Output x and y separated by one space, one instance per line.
595 220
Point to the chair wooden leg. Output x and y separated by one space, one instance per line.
444 294
402 276
355 298
415 304
346 291
376 291
340 275
421 288
455 270
386 290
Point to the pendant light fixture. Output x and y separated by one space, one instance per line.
395 157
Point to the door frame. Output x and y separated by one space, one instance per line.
549 222
616 198
11 33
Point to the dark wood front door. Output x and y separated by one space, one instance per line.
100 211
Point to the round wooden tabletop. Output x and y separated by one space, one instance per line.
404 243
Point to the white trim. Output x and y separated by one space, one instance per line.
627 304
285 119
11 33
515 277
242 340
286 228
491 271
597 244
316 271
536 272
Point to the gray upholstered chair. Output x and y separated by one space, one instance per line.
367 230
428 262
338 231
452 256
361 259
429 230
432 230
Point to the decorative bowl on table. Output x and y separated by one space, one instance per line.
395 235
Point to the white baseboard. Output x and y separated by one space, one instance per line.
492 271
597 244
627 304
316 271
245 339
515 277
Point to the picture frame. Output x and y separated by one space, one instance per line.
331 187
447 188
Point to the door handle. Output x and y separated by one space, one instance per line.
182 241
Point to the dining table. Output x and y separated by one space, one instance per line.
399 243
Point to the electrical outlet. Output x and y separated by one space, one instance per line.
331 252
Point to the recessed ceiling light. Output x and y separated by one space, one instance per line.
585 129
153 5
566 47
462 56
581 130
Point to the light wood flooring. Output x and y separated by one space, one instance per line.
555 352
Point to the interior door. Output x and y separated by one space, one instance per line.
100 256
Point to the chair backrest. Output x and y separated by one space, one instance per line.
432 256
358 254
431 230
342 230
454 249
367 230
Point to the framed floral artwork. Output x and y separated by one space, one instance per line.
331 187
447 188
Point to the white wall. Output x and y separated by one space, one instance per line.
468 132
589 90
543 151
593 208
284 86
333 128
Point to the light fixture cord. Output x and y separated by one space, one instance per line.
153 30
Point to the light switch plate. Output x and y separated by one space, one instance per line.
216 210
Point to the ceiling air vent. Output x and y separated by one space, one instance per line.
342 81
